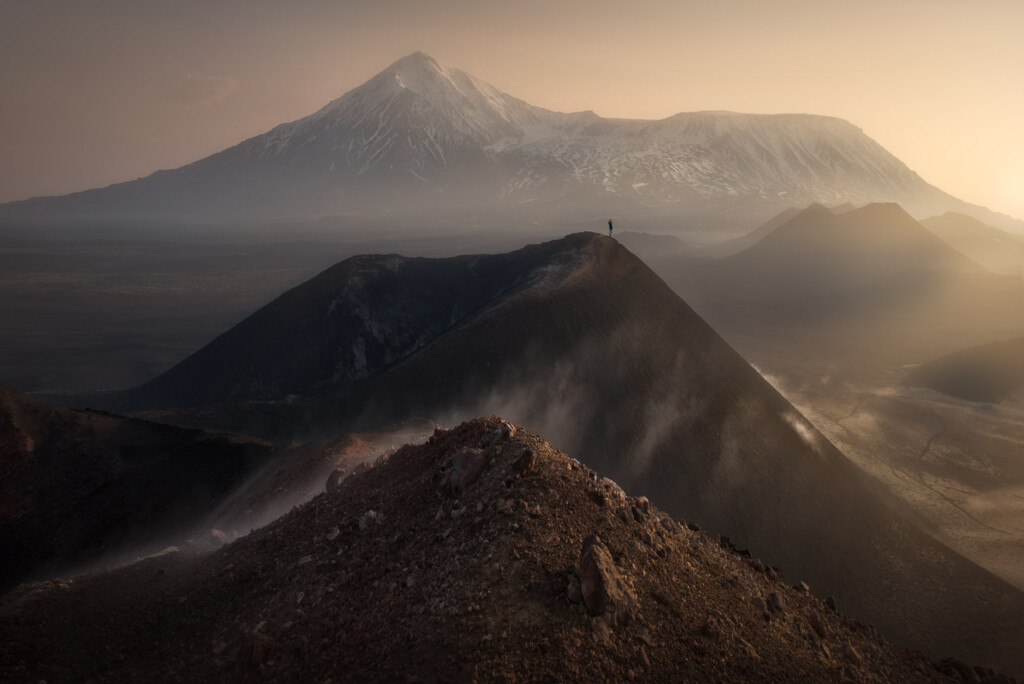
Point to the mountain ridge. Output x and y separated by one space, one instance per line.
596 351
818 252
423 137
483 553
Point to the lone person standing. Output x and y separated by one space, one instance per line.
609 227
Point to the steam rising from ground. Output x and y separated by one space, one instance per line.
298 474
558 399
807 433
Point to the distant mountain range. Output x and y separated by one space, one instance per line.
995 249
819 252
421 136
79 484
875 281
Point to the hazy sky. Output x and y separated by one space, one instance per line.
98 91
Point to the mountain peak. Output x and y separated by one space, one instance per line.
415 71
422 134
547 590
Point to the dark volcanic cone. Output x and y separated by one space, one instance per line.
583 341
391 578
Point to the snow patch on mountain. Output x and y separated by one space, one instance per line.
421 134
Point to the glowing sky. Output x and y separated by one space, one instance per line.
108 90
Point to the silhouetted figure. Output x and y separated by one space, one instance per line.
609 227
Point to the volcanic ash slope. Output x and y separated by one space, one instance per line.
483 554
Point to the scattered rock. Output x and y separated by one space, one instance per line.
335 479
497 589
522 466
851 654
367 519
830 603
467 466
612 488
573 590
603 588
817 624
602 633
711 628
505 432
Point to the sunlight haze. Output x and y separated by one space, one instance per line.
106 91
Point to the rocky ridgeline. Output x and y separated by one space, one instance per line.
482 555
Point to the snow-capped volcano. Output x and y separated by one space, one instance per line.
442 96
419 134
415 117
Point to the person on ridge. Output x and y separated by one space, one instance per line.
609 227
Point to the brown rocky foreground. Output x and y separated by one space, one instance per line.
482 555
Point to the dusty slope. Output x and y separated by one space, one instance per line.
348 323
483 583
81 487
595 351
77 484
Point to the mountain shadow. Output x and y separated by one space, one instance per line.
80 484
987 373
